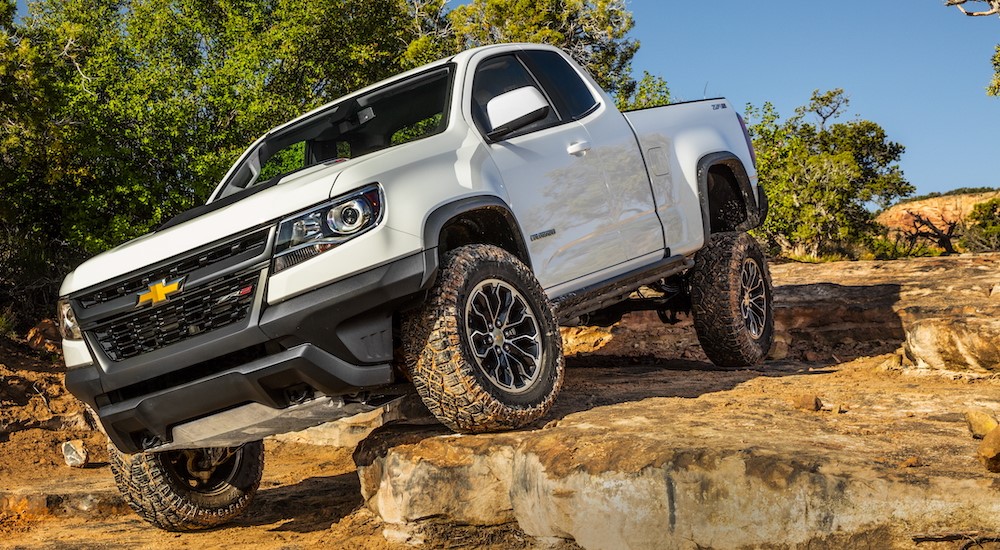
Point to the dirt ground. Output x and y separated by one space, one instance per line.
310 495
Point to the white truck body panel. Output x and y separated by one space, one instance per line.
598 225
673 139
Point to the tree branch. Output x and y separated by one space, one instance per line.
994 7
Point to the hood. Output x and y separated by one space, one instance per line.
296 192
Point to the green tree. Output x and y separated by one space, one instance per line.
821 178
593 32
650 91
118 114
982 228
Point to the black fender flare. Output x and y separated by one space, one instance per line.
756 203
439 218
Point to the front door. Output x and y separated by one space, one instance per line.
557 189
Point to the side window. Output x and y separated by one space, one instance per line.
562 82
497 76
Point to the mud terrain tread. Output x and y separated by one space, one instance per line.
436 353
143 481
715 301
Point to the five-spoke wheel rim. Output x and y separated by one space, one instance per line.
753 298
504 335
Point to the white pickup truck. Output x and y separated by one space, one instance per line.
429 231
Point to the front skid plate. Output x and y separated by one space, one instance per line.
254 421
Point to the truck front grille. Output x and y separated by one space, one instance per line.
219 303
253 243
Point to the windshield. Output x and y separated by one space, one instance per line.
394 114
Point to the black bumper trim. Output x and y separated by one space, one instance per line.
352 318
262 381
337 340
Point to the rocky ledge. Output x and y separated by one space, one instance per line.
880 461
650 447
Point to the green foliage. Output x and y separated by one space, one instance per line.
821 178
994 86
982 229
118 114
422 128
594 32
897 246
650 91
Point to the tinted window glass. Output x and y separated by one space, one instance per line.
562 82
392 115
497 76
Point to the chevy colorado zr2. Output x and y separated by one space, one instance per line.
430 231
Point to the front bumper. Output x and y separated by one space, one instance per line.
333 341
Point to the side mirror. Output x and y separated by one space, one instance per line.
514 110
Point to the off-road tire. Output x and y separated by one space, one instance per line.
150 485
731 299
439 338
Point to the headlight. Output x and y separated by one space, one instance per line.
68 326
326 226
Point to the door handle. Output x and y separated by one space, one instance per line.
579 148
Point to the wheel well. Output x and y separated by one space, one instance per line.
489 225
726 206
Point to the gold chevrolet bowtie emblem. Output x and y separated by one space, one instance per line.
159 292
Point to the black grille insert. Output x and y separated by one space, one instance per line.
195 311
254 243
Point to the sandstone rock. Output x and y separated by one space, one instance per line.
44 337
995 292
779 350
807 402
403 534
980 422
584 339
435 478
609 478
955 344
989 451
940 211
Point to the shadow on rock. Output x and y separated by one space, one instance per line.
308 506
601 380
826 320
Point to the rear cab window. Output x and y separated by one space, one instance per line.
561 82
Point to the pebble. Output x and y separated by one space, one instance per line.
75 453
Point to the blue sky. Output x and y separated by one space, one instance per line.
916 67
